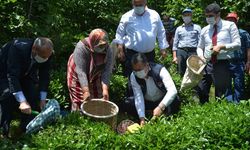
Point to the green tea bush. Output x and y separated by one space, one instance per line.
58 87
215 125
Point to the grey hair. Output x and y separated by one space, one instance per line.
42 42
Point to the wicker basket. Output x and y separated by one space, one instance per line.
101 110
196 64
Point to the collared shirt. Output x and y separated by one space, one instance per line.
140 32
169 25
227 34
21 98
186 36
152 91
245 45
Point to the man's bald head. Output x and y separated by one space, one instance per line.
43 47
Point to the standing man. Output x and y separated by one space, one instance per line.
137 33
185 41
169 24
218 42
24 66
240 61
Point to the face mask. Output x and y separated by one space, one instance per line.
139 10
99 50
187 19
210 20
40 59
141 74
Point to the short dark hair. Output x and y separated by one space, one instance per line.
138 58
213 8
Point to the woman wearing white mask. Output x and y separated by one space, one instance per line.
89 69
153 88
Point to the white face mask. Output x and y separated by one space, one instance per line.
99 50
40 59
141 74
211 20
139 10
187 19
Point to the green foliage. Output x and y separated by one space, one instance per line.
118 86
215 125
58 88
175 8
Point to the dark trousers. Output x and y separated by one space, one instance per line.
237 71
10 105
182 56
128 106
218 74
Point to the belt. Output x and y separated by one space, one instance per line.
188 48
127 49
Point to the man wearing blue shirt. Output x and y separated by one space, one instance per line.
185 41
24 67
240 60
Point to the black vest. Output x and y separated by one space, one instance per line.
155 74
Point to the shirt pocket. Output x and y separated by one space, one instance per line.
193 34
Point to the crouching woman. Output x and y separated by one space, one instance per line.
153 88
89 69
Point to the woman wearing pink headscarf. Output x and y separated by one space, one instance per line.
89 69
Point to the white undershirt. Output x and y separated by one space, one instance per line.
153 90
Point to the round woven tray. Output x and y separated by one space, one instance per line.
101 110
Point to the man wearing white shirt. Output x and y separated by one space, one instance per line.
153 88
217 44
137 33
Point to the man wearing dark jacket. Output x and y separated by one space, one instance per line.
24 68
153 88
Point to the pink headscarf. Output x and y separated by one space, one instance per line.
97 37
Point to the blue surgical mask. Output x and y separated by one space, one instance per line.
141 74
139 10
40 59
211 20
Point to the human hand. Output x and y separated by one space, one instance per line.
25 107
121 54
175 60
157 111
247 68
105 94
86 96
163 53
216 49
142 121
42 104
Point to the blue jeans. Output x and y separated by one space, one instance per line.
237 71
